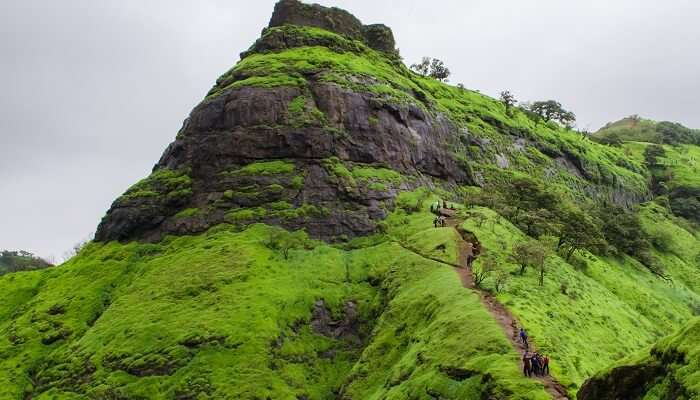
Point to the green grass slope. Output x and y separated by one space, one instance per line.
221 315
589 315
670 369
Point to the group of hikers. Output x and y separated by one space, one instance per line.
533 363
435 207
439 221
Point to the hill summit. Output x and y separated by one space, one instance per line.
285 136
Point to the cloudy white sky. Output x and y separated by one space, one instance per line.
91 92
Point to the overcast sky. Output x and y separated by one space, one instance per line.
91 92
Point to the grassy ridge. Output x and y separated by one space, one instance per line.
589 315
220 315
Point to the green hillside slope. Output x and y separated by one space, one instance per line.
285 246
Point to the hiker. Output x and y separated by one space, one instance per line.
436 221
535 361
545 365
477 248
444 204
470 254
527 366
523 338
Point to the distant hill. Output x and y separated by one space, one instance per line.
13 261
636 129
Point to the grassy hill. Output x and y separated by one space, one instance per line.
213 292
14 261
636 129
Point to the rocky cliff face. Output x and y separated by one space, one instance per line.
321 156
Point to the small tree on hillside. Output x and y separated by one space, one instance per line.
433 68
508 100
484 266
500 280
527 254
438 70
285 241
423 67
579 231
551 110
524 193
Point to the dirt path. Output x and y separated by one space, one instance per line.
507 321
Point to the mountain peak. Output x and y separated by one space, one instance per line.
293 12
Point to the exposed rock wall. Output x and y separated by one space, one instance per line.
246 125
294 12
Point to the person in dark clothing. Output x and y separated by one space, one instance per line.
477 248
527 366
545 365
535 361
436 221
523 338
444 204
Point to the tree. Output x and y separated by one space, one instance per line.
551 110
539 222
284 241
651 155
438 70
623 231
578 231
482 269
433 68
423 67
531 253
508 100
524 193
500 280
478 217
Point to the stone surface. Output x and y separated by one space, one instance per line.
245 125
293 12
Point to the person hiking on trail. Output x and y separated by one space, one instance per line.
470 254
435 222
536 365
527 366
444 204
477 248
523 338
545 365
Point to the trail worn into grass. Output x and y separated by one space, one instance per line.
508 322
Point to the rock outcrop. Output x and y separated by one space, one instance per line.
324 157
294 12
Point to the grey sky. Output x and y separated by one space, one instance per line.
91 92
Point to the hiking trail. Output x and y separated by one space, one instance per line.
508 322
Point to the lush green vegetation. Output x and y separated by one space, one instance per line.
14 261
164 183
274 167
227 315
614 299
252 311
636 129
